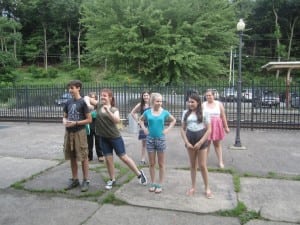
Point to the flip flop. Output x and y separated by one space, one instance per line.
190 192
152 188
158 189
209 194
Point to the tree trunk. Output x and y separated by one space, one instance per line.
15 44
254 49
277 29
70 51
78 48
45 48
292 27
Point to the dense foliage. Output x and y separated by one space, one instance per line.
155 41
162 42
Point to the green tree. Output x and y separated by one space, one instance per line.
68 17
160 41
10 36
273 32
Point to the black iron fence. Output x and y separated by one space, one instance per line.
274 106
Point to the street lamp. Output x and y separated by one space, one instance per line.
240 28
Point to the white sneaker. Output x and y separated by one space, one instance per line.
143 178
110 184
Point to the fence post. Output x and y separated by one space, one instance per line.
252 108
27 105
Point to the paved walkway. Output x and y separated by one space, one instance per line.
33 176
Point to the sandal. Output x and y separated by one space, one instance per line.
158 189
190 192
209 194
152 188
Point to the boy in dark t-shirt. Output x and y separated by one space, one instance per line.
76 116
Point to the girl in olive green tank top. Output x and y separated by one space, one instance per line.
110 138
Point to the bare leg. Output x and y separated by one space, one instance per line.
208 147
161 164
143 156
74 168
203 167
110 166
193 170
204 172
130 163
85 169
152 159
218 150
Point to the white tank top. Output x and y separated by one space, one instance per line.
213 112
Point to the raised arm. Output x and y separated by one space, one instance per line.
114 116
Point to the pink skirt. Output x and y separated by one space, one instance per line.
217 129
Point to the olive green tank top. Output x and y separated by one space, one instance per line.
104 126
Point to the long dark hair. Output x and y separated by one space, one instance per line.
197 98
143 101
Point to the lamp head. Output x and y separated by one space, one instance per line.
240 25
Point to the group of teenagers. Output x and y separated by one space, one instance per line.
201 124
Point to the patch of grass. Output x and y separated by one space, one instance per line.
122 170
111 199
248 215
248 175
46 191
273 175
236 182
130 176
238 210
219 170
241 212
98 169
18 185
26 77
297 178
91 194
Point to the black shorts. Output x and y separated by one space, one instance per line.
195 136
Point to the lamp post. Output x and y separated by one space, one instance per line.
240 28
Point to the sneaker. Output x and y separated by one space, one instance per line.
142 178
73 183
85 185
110 184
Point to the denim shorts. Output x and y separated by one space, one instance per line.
156 144
110 144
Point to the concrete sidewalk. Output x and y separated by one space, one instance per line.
31 160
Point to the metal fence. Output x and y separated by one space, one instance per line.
43 103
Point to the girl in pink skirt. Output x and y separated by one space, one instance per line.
218 124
